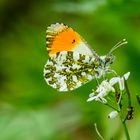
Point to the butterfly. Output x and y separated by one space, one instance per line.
72 62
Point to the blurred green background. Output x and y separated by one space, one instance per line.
29 108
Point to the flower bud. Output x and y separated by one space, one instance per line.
112 114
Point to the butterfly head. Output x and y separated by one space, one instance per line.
105 62
109 59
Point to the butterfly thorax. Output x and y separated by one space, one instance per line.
104 65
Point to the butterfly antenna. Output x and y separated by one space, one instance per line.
119 44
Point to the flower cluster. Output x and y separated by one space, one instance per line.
106 87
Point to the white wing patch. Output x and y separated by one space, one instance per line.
84 49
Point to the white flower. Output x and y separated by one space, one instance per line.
105 87
112 114
120 80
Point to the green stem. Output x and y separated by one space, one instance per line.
122 121
128 93
124 126
125 130
119 101
112 107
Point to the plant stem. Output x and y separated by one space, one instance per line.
101 137
112 107
126 130
124 127
123 121
128 93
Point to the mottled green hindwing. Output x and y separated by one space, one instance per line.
69 70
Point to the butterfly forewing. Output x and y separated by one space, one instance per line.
60 37
69 70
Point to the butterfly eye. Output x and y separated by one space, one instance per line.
109 59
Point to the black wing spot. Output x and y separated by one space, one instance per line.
73 41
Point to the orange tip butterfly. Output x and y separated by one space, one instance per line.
72 62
